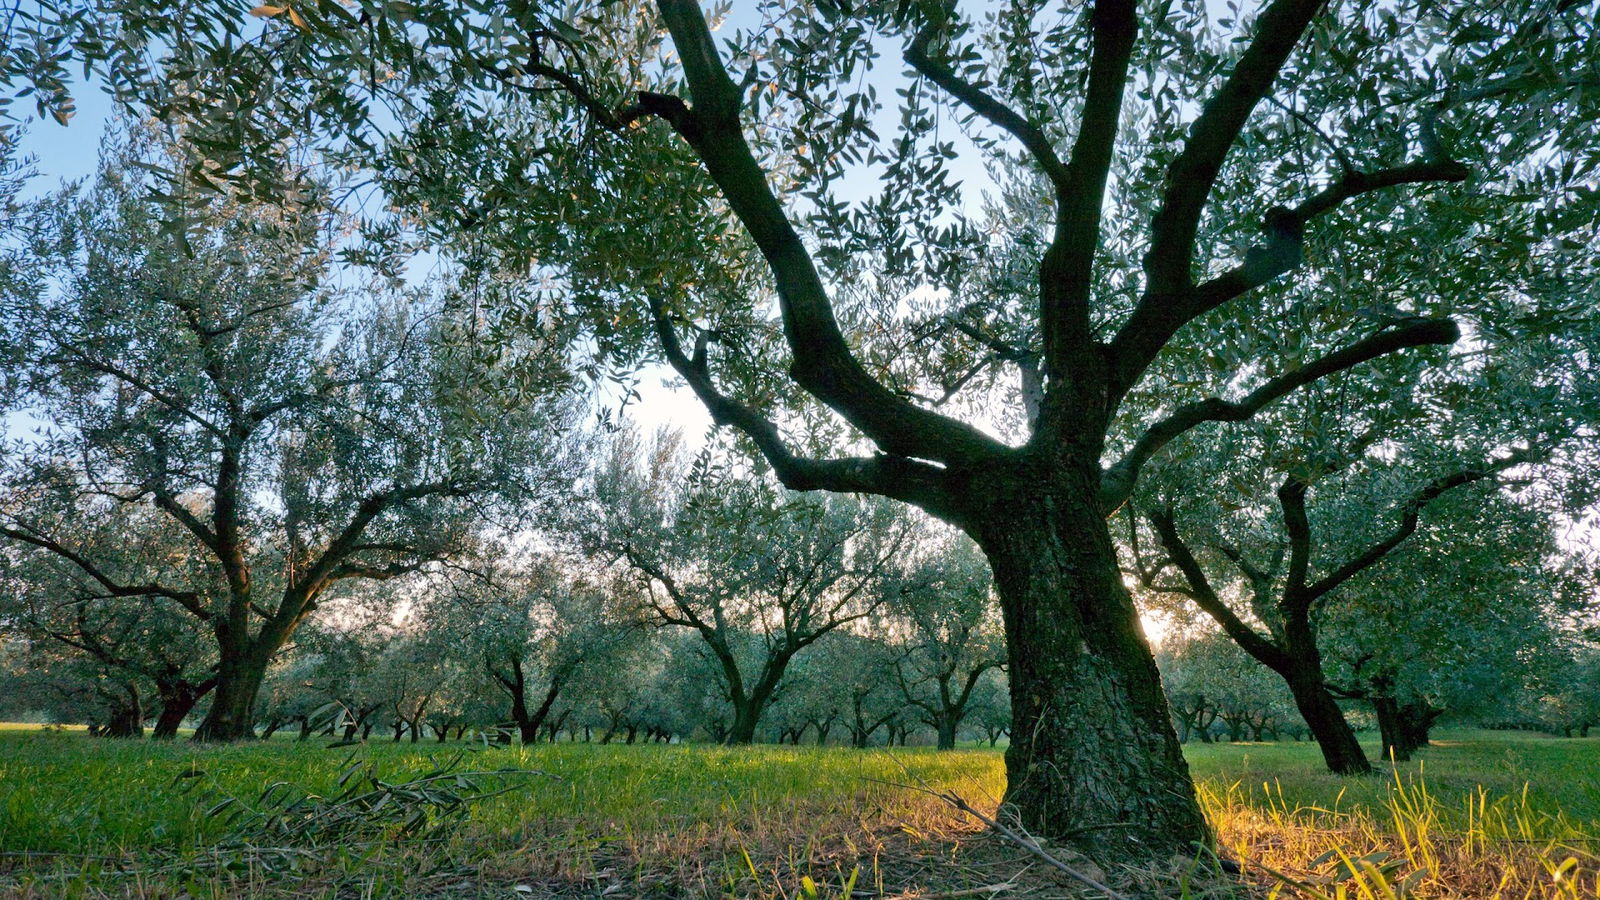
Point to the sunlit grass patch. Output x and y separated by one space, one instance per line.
1481 815
1486 815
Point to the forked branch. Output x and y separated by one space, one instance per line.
823 363
1117 483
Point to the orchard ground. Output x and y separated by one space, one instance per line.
1479 815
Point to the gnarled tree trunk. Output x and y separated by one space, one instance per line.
178 699
1404 726
1092 741
240 670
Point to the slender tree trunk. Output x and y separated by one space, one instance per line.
1340 749
1092 739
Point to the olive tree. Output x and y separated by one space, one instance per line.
289 433
1198 170
155 644
533 626
758 573
945 600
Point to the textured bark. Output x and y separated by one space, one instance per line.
1092 741
178 699
746 716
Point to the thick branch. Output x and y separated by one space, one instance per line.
974 97
1117 483
823 363
1158 317
1067 270
898 477
349 538
189 600
1205 596
1410 519
1192 174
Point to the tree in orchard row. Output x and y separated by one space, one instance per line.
533 627
288 435
154 645
1161 139
1211 684
1463 620
1293 571
952 639
1284 591
758 574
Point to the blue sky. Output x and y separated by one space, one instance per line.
65 152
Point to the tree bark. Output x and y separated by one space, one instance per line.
126 716
745 718
1404 727
178 698
1092 739
1340 749
748 708
240 671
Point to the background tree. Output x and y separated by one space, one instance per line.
1212 683
1252 550
297 436
155 645
1465 618
533 626
953 635
758 573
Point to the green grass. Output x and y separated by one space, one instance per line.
85 817
1557 773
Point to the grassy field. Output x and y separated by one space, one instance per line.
1481 815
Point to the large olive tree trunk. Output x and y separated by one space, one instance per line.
1093 752
178 699
231 716
241 668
